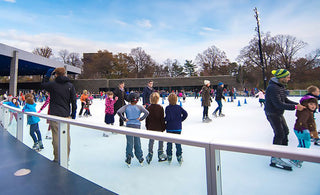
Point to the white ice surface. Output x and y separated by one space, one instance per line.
101 159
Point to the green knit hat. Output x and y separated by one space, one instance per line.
280 73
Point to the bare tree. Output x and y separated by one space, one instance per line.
43 51
144 64
63 54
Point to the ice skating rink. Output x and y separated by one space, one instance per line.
101 159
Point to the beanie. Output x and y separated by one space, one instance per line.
206 82
220 83
280 73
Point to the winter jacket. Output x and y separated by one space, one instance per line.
31 108
206 98
12 105
62 96
155 120
305 120
147 91
276 98
110 106
84 97
122 97
174 116
219 94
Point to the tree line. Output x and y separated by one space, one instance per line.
278 51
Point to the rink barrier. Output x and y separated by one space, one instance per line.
212 147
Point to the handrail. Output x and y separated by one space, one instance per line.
211 146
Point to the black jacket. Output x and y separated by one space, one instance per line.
146 95
122 97
62 96
276 98
219 93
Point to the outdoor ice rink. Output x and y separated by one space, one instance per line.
101 159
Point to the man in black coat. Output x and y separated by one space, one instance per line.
62 103
147 91
120 92
276 103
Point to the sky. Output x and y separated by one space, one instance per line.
174 29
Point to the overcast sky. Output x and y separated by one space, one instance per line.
175 29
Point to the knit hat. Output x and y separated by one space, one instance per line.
280 73
220 83
206 82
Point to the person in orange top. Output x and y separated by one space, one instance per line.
83 98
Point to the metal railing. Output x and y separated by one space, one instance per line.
212 147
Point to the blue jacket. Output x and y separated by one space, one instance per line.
31 108
276 98
174 116
12 105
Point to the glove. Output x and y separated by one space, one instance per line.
39 111
49 72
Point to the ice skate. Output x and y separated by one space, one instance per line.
180 159
317 142
207 120
279 163
149 158
214 114
128 161
162 157
296 163
48 137
105 135
222 115
36 147
41 145
169 159
141 161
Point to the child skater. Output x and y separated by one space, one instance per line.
132 118
155 122
174 116
33 122
13 103
109 111
305 124
46 103
262 100
87 108
315 92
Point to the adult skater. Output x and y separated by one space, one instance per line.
62 103
219 96
276 103
147 91
206 101
120 92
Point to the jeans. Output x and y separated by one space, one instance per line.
34 129
151 142
280 129
178 146
304 138
219 107
133 142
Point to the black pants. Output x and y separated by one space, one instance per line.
205 111
82 106
280 129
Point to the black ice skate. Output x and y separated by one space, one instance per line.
141 161
180 159
128 161
149 158
279 163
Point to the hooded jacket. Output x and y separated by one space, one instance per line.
62 96
205 94
276 98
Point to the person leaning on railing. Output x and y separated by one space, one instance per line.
62 103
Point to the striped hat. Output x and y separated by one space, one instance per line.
280 73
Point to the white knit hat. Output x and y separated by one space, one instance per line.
206 82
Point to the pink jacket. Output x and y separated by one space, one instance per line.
109 106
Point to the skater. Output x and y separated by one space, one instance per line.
33 122
83 98
13 103
120 92
315 92
133 120
219 96
305 124
87 107
155 122
276 103
62 103
206 101
46 103
261 96
109 111
147 91
175 115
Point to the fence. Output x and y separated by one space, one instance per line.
212 147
